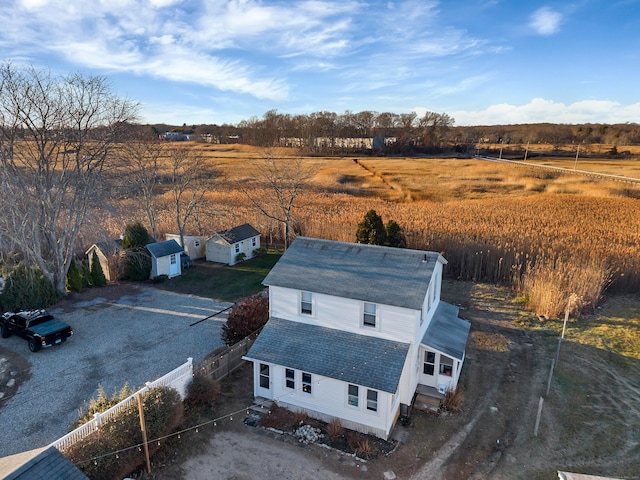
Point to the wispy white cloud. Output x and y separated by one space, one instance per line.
540 110
545 21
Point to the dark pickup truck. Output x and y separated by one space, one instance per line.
38 327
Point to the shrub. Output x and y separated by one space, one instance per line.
162 411
202 391
74 280
137 264
103 403
245 317
160 278
335 430
26 288
97 274
259 252
240 257
85 274
453 400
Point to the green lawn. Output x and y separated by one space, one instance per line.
224 283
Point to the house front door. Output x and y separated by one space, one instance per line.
428 374
174 266
264 380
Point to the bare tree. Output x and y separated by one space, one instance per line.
190 181
55 137
285 179
140 156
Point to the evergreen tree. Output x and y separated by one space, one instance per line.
395 235
26 288
135 235
371 230
97 274
74 280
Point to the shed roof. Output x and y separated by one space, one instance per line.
359 359
107 247
371 273
239 233
46 462
447 333
162 249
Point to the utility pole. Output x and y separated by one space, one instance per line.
143 427
575 165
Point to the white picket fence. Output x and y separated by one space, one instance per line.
178 379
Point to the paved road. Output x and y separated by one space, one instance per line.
135 339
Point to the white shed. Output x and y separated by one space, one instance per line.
165 258
226 246
194 245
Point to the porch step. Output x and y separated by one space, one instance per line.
261 405
427 399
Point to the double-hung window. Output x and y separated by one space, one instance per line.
446 365
306 303
372 400
253 242
306 382
369 316
237 248
290 378
173 259
429 363
353 395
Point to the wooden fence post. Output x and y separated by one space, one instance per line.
143 426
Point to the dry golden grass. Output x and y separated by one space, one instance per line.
492 221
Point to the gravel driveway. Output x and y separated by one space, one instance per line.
136 338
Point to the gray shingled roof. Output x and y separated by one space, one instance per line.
162 249
107 247
359 359
46 462
239 233
447 333
386 275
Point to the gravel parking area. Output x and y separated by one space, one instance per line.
135 338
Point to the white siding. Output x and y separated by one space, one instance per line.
328 400
393 323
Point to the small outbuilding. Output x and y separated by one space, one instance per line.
165 258
194 245
108 253
233 245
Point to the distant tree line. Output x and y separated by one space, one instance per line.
403 133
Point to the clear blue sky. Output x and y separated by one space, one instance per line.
213 61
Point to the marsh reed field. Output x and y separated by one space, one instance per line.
545 233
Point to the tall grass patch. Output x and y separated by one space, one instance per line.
550 285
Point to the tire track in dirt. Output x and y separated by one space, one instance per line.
518 380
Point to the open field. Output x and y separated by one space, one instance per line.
494 222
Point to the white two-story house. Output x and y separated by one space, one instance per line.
354 331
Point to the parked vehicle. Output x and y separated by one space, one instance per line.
38 327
